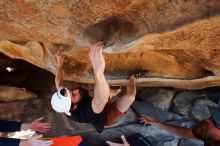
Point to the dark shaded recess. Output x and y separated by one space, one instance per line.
213 93
25 75
112 30
208 73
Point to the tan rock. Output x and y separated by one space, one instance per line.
9 94
177 41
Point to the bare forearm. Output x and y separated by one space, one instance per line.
102 90
180 131
59 77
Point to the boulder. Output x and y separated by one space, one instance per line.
144 108
190 142
200 109
160 137
8 94
183 101
12 110
155 134
169 143
159 97
176 41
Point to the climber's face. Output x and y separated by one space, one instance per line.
75 95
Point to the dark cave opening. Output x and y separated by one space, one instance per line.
19 73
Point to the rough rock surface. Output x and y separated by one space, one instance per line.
200 109
183 101
190 142
9 94
176 41
159 97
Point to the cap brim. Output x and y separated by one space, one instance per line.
215 113
68 113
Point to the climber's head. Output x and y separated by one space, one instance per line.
206 129
63 99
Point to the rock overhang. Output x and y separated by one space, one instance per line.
177 42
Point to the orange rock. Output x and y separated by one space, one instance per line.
177 42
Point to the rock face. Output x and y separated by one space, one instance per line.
200 109
159 97
190 142
183 102
194 104
176 41
9 94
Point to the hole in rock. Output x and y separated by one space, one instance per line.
112 30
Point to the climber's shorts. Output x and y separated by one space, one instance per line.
113 113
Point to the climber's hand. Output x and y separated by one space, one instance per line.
60 58
125 143
146 120
97 58
40 126
37 125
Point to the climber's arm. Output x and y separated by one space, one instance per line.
59 72
180 131
102 90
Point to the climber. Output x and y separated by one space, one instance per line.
11 126
98 111
206 130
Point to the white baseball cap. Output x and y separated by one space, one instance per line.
60 103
